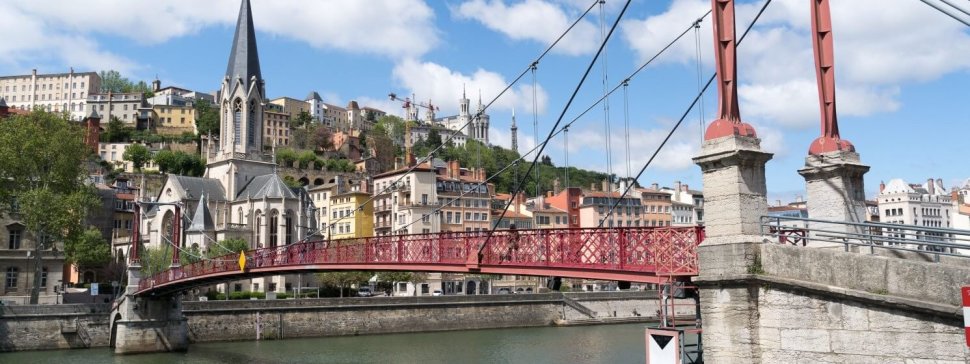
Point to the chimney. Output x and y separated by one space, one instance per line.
592 186
778 202
939 183
655 186
677 186
685 187
929 186
549 194
606 186
798 198
555 186
364 186
882 186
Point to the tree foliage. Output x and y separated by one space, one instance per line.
155 259
302 119
42 168
343 279
116 131
207 118
89 250
138 155
112 81
179 162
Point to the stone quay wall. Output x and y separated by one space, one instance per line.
50 327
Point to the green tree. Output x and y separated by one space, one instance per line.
111 81
207 118
138 155
397 276
116 131
89 250
42 168
179 162
155 259
343 279
227 247
301 120
285 157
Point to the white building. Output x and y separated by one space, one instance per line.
926 205
402 197
475 128
687 205
55 92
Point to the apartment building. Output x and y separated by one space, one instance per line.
405 200
174 119
123 106
54 92
464 198
658 208
277 122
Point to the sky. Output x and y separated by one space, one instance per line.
902 71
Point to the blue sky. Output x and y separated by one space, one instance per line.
901 67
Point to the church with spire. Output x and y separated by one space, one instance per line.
473 124
241 195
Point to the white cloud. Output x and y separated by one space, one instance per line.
875 54
443 86
535 20
675 155
65 30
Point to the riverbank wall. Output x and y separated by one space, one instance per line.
50 327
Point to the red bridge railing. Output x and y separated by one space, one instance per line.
653 251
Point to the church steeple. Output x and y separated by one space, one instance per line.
242 94
244 58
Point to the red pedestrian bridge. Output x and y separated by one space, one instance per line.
635 254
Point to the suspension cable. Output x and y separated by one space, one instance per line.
626 122
687 112
697 52
477 115
606 107
589 68
535 122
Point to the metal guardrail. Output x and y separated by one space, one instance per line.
912 238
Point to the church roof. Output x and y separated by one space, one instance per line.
266 186
313 96
202 219
3 103
94 114
243 59
194 187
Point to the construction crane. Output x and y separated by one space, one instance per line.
406 104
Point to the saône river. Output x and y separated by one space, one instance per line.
573 344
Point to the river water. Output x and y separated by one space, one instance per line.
575 344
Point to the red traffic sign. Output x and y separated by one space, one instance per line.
965 294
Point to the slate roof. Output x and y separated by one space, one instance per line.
202 219
194 187
3 103
243 59
313 95
265 186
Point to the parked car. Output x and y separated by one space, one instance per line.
365 292
436 292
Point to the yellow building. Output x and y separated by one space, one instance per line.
174 120
291 106
345 223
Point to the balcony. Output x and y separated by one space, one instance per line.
382 208
382 225
413 204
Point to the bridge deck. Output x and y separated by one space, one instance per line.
636 254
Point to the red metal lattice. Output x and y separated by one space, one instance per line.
571 252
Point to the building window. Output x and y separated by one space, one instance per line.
274 227
15 235
289 230
12 273
43 277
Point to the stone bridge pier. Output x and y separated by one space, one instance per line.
147 324
763 302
